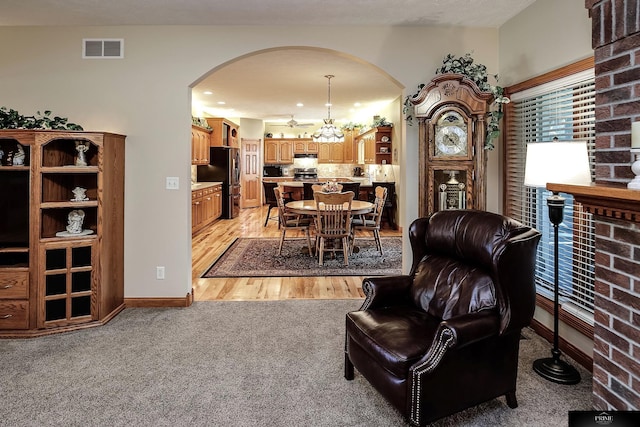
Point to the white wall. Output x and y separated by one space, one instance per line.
146 96
547 35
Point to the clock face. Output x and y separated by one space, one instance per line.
450 135
451 141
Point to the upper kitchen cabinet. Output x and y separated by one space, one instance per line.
331 152
200 143
350 151
278 151
304 146
225 132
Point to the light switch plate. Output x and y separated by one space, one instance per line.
173 183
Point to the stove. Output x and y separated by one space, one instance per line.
305 174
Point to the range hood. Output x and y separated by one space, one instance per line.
305 156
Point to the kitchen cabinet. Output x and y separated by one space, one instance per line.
224 132
206 206
61 250
331 152
377 146
350 151
304 146
200 143
278 151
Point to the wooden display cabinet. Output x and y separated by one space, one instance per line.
55 280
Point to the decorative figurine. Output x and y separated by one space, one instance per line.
8 160
19 156
81 148
79 194
1 155
74 225
74 221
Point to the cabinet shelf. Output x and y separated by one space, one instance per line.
14 249
14 168
68 169
69 205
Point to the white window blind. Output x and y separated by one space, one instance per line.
563 109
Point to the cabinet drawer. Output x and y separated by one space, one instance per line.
14 284
14 314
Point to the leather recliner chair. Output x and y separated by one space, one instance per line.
446 336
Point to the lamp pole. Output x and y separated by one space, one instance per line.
552 368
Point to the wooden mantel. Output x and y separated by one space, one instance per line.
603 200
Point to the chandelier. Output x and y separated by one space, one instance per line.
328 132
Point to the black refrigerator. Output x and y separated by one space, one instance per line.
224 166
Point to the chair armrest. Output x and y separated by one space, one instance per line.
455 334
472 327
386 291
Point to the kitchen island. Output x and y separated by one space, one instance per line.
295 190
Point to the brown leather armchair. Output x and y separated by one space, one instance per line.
446 336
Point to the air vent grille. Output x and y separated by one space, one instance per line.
103 48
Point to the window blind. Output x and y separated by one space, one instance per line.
563 109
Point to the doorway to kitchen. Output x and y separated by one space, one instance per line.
264 73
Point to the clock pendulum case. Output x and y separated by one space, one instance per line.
451 113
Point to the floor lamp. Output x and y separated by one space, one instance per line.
560 163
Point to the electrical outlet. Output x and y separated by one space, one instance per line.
173 183
160 273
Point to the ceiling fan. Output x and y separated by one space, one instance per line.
295 124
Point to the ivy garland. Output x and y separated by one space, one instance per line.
11 119
477 73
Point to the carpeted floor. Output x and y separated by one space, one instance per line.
258 258
277 363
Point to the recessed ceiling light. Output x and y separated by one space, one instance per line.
299 104
357 104
208 92
221 103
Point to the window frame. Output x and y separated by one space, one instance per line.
542 301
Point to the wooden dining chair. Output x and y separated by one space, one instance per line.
333 223
352 186
291 221
270 199
371 221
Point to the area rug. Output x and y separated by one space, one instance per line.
258 258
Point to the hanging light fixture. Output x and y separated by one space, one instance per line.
328 132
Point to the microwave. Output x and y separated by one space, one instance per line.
272 171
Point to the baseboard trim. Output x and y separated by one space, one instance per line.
159 302
566 347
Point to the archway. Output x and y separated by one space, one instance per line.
258 77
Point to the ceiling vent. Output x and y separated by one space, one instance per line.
103 48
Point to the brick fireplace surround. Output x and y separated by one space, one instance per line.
616 210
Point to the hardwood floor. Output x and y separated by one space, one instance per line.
209 243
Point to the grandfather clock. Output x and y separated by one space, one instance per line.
451 113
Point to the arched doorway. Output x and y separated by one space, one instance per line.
264 87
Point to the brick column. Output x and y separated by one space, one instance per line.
616 42
616 356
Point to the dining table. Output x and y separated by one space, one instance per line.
309 207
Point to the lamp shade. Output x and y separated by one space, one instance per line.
557 162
